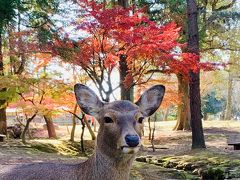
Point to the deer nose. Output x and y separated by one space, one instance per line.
132 140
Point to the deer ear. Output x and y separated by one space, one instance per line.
87 100
151 99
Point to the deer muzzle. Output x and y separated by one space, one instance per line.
131 145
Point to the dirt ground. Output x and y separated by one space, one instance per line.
217 134
168 143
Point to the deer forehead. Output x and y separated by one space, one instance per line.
121 108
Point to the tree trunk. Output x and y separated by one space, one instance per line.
123 3
3 120
50 126
205 116
73 123
183 117
228 115
1 55
95 125
82 140
166 113
85 121
150 129
89 128
126 93
23 135
195 100
153 132
24 131
11 49
3 116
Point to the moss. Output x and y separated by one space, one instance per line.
188 176
66 148
170 164
200 164
213 174
45 148
141 159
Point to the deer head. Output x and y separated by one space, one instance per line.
120 121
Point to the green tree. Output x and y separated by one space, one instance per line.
211 104
14 14
7 14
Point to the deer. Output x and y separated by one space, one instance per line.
118 140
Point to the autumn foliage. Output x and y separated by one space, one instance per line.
148 46
109 33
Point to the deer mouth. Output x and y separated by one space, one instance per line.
130 150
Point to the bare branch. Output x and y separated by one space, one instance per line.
21 95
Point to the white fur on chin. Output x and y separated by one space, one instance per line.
130 150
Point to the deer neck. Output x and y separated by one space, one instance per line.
114 168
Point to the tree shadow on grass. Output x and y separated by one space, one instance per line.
224 131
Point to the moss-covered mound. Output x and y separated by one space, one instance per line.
206 166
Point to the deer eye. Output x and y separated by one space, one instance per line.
108 120
140 120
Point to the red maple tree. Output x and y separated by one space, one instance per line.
147 46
